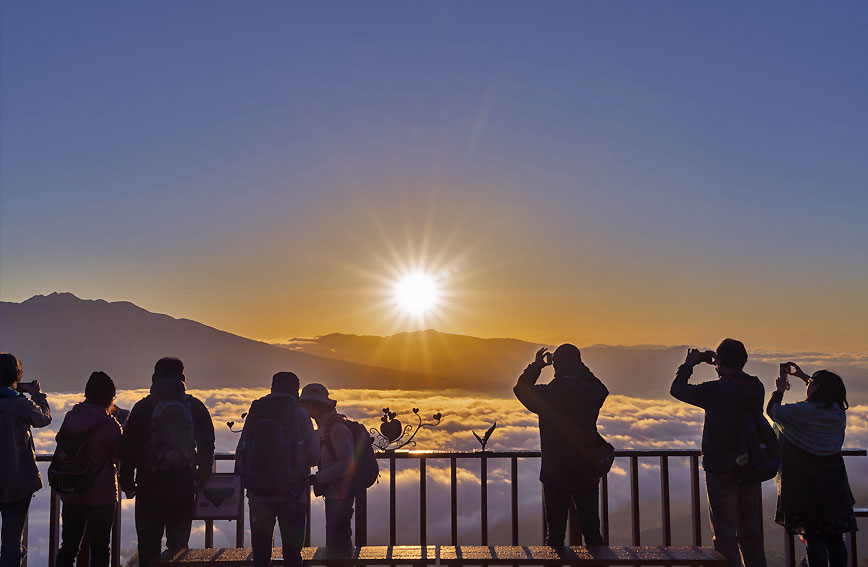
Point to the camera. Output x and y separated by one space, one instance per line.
706 356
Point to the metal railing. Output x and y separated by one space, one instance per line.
662 458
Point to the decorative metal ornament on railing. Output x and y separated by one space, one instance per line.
231 424
394 435
484 439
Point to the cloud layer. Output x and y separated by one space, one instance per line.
628 423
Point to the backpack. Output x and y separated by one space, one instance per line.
272 460
171 447
70 471
759 452
365 471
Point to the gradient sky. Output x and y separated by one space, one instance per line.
614 172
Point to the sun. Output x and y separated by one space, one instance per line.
417 293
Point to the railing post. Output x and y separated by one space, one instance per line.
604 507
514 497
453 485
53 527
209 524
664 495
694 500
851 542
392 527
789 550
116 536
484 497
423 506
634 498
239 528
362 518
307 522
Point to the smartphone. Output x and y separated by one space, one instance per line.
23 386
548 358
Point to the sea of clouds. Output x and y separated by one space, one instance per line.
628 423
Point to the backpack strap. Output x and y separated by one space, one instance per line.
327 438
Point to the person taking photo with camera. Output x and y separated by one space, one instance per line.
19 477
568 408
733 504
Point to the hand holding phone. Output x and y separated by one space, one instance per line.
29 387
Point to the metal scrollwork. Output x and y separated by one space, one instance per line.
393 435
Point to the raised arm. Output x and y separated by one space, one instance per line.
694 394
526 390
782 385
38 414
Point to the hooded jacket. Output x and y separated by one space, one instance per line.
19 477
104 451
568 408
724 400
134 447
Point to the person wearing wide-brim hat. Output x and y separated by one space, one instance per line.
334 475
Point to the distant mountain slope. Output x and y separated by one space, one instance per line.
492 365
61 339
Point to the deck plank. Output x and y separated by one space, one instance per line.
242 557
544 555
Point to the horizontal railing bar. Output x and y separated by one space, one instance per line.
46 457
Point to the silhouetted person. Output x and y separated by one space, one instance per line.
92 424
166 453
19 477
335 472
814 497
733 507
568 408
274 455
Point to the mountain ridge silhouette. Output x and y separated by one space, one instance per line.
61 338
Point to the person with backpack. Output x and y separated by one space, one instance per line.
274 455
574 455
733 407
334 477
814 497
83 472
19 476
166 454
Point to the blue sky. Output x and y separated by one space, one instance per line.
639 163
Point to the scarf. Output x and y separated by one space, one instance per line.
817 428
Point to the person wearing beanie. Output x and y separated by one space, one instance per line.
166 454
568 408
274 455
19 476
94 507
733 506
333 479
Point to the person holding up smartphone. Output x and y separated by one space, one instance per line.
19 476
814 497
